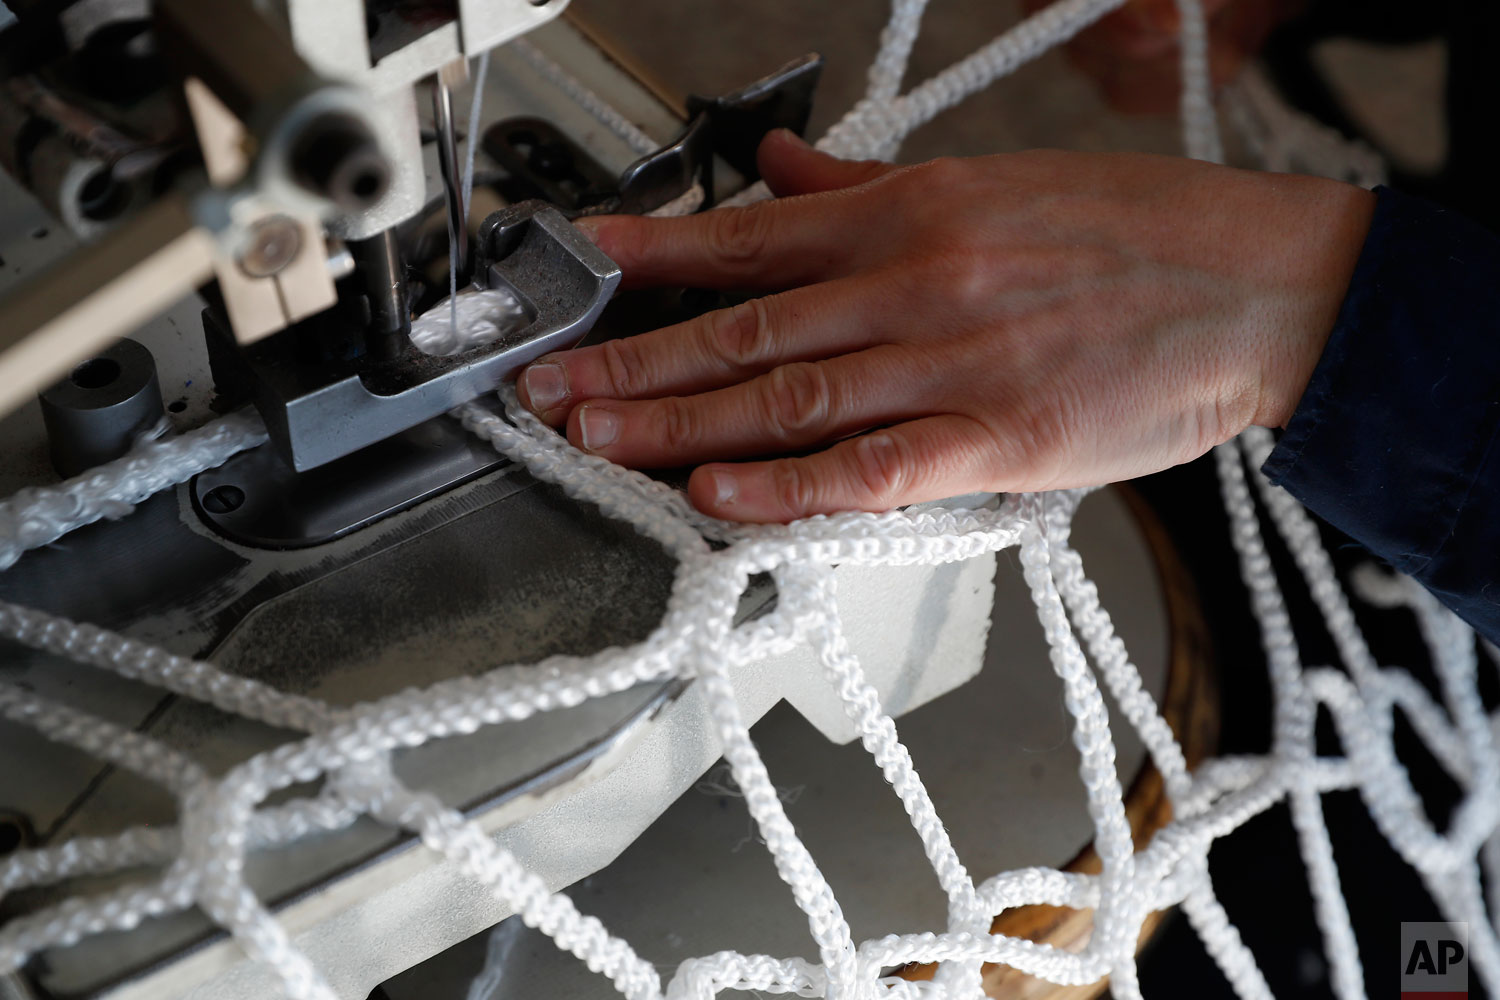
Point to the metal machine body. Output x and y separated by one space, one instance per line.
372 545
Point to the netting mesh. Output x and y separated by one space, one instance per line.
201 862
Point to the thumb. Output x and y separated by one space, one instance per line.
790 166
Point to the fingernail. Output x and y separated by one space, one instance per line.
599 428
546 385
588 226
726 486
792 137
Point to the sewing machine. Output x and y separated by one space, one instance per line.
260 198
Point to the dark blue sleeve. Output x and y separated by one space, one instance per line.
1395 440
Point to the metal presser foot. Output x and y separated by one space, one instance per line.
318 410
355 439
349 398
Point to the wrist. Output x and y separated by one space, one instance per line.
1321 247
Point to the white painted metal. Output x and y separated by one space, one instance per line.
331 35
995 754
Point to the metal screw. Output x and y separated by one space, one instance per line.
274 243
223 499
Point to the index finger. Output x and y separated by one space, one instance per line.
769 245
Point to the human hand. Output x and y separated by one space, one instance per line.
1132 52
1019 322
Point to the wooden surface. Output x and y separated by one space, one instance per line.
1191 708
673 97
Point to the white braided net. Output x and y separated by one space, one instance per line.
201 862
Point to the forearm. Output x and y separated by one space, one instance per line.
1396 441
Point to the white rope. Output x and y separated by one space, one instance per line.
877 127
601 110
41 515
1200 126
896 43
1284 139
201 861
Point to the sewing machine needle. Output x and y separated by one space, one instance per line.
447 143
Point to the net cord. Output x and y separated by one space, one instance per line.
201 862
